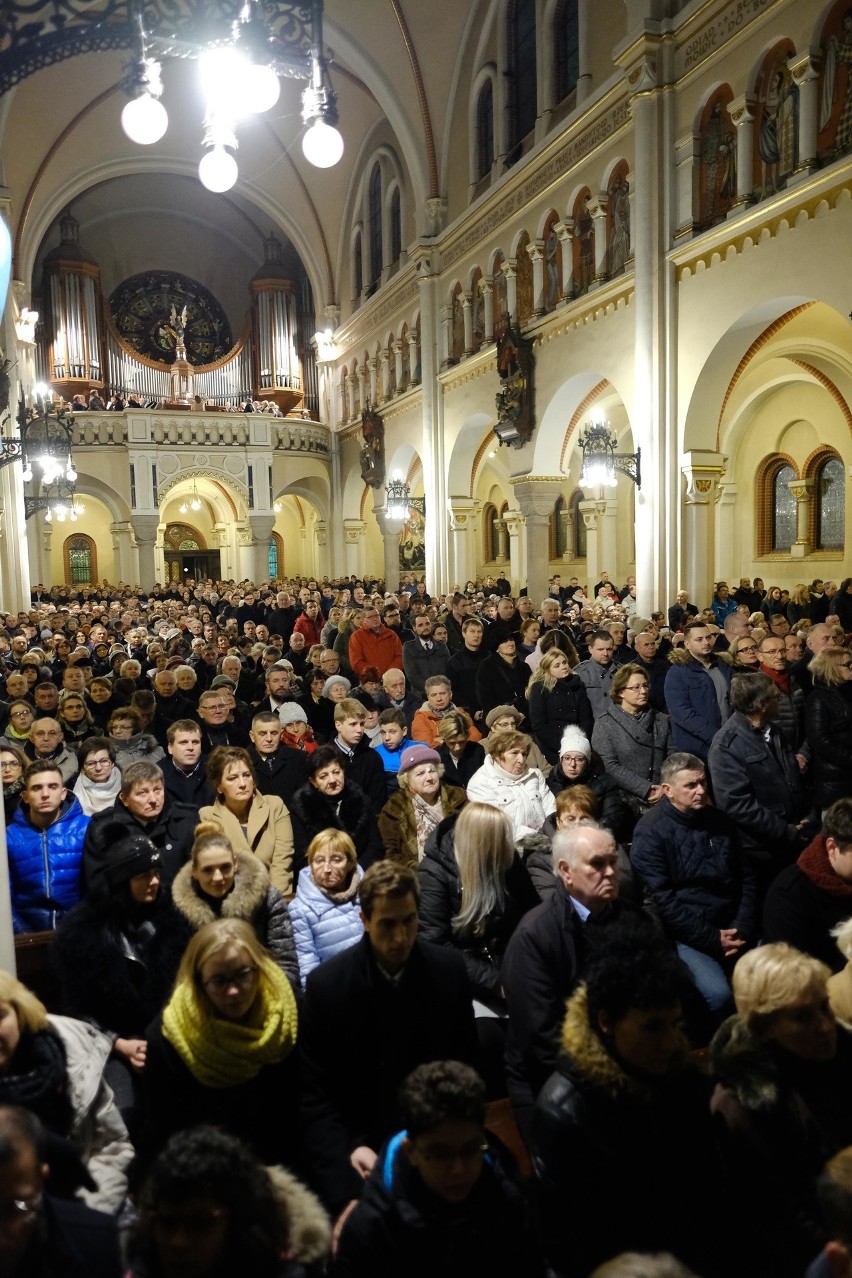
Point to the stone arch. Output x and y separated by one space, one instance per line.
467 453
228 495
117 505
571 403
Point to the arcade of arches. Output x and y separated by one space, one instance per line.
659 202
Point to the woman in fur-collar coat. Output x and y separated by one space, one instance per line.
220 881
311 810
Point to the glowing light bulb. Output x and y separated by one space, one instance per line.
322 145
218 170
144 120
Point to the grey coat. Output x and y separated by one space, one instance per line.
597 680
632 747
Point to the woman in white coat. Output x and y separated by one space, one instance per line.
506 781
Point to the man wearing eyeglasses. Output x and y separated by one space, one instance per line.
40 1234
772 650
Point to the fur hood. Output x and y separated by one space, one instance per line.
248 893
745 1063
590 1059
310 1227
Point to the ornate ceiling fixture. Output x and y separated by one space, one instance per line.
601 464
243 48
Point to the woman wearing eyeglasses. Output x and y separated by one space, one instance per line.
99 781
828 725
222 1050
13 763
17 731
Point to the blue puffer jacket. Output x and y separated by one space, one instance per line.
321 928
44 867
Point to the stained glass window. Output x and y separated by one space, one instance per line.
272 568
783 510
523 68
376 242
566 36
831 505
79 560
485 130
396 226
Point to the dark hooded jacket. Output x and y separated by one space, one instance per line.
805 902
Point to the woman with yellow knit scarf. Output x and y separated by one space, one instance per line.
222 1050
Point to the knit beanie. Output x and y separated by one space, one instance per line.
290 712
575 741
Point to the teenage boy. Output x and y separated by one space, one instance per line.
394 738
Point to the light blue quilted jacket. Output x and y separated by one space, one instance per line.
321 928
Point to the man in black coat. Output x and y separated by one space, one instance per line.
360 762
689 857
812 896
185 771
279 769
39 1234
392 1002
545 958
463 666
681 611
140 806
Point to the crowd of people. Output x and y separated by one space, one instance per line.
118 401
336 884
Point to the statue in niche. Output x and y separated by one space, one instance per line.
719 158
372 454
778 137
584 238
501 295
514 399
457 340
524 275
553 269
619 244
838 53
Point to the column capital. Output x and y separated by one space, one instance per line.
353 530
486 285
466 300
741 110
261 527
598 205
510 268
564 230
703 472
513 519
145 528
801 488
537 494
535 251
589 513
321 532
806 67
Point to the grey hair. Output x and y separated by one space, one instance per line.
843 936
567 842
438 681
680 761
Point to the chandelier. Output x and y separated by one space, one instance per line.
194 502
398 500
240 76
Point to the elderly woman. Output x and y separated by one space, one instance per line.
329 800
632 740
557 698
254 823
828 725
219 882
782 1101
99 781
422 801
54 1066
325 913
221 1051
130 742
506 781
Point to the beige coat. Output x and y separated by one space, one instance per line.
269 835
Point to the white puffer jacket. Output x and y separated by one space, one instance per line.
526 800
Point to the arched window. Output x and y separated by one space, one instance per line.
81 560
566 43
485 130
374 199
396 225
579 547
276 557
783 509
831 505
522 68
491 535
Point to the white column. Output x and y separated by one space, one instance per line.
565 234
535 252
353 539
806 74
726 534
467 311
803 491
414 357
536 496
486 286
145 531
703 472
608 539
362 390
514 521
686 187
499 526
373 369
462 511
320 548
385 378
598 209
398 365
589 514
261 530
122 551
742 116
510 271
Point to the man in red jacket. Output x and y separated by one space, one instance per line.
374 644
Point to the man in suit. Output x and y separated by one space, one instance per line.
422 657
396 1002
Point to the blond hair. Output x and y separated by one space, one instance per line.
335 841
31 1013
207 942
772 977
